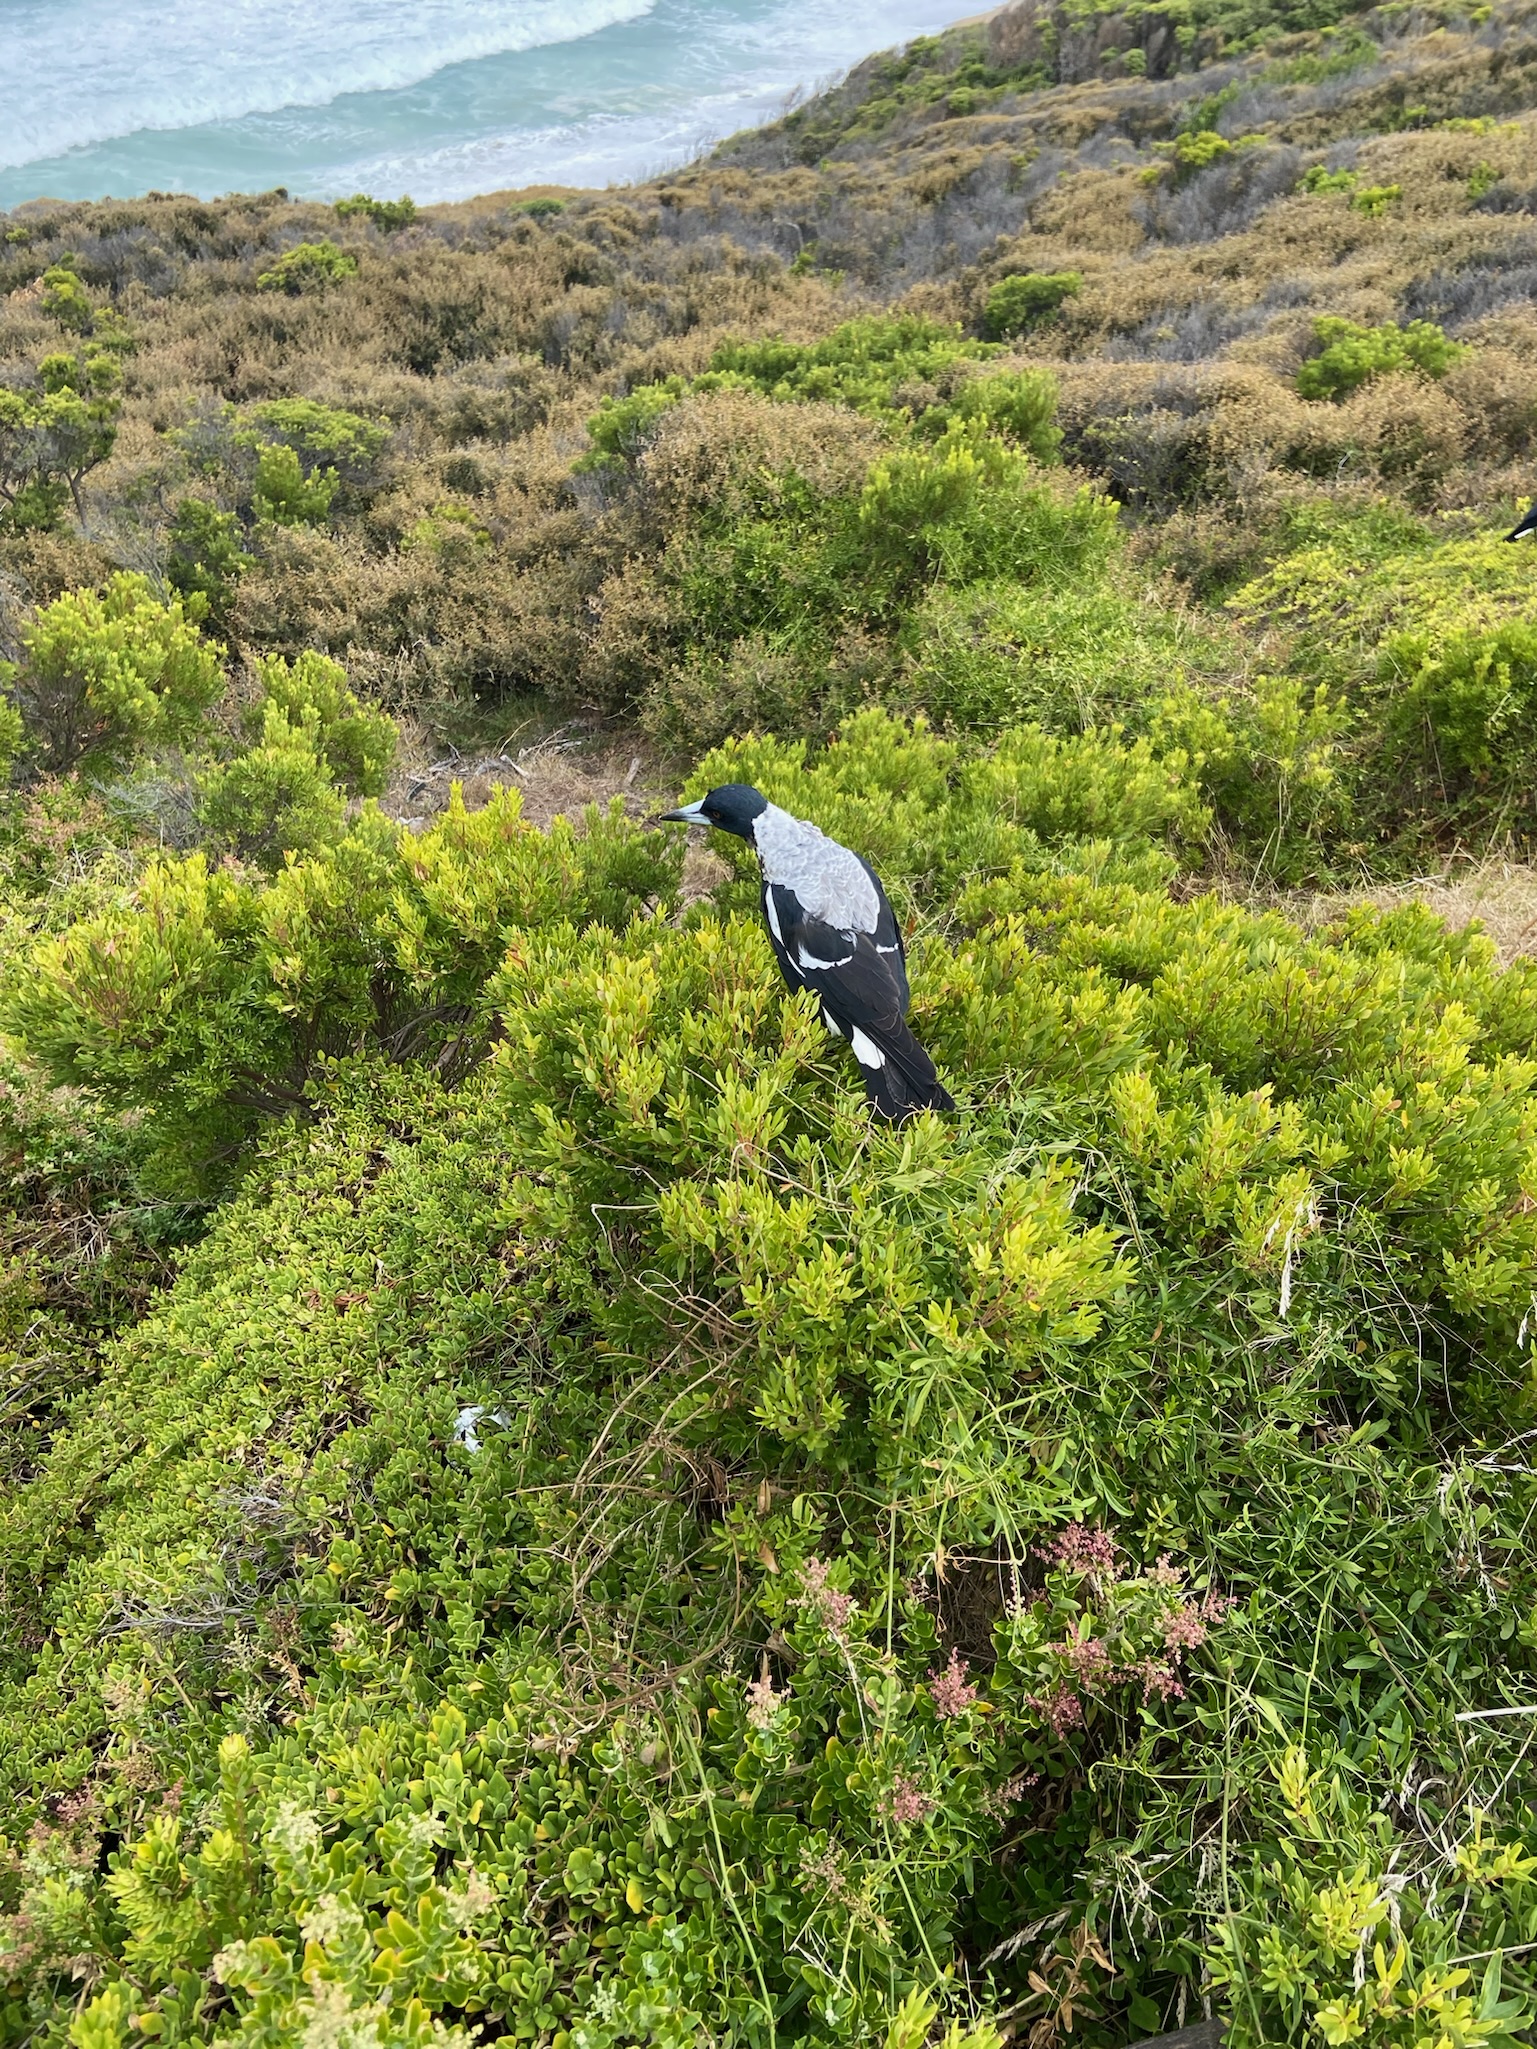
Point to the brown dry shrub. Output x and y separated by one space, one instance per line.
752 685
756 686
36 568
1093 211
1405 429
633 630
1496 390
439 626
718 451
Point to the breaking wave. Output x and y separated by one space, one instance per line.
173 64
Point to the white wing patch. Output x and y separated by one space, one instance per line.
866 1052
772 915
810 961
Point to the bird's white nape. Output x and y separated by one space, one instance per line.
827 881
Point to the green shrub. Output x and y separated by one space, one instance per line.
1021 404
1278 763
621 427
106 672
318 434
1421 654
204 1000
971 1485
865 363
66 300
877 365
787 611
450 532
307 267
969 510
205 557
1374 201
1460 723
283 494
1319 180
1348 354
273 800
356 744
389 216
1023 301
51 440
1198 150
1068 655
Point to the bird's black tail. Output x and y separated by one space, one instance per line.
904 1081
1525 528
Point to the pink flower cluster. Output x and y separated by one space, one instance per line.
1081 1550
834 1608
907 1801
1061 1708
763 1703
997 1798
1088 1659
1183 1630
1157 1679
952 1695
1090 1666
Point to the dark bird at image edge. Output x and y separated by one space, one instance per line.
833 932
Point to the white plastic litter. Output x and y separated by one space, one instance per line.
465 1421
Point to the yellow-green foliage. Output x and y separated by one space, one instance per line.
106 671
282 492
275 798
962 1487
525 1514
1348 354
356 743
1019 302
308 267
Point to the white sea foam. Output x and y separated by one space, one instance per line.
438 98
604 149
89 71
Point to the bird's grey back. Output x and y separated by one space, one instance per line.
829 882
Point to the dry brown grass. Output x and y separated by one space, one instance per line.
1500 896
558 774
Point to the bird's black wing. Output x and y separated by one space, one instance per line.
1527 524
888 933
859 977
860 980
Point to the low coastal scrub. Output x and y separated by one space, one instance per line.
614 1546
525 1514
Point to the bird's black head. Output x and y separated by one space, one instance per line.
732 807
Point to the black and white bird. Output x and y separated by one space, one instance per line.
1525 528
833 932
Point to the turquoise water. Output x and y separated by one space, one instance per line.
440 98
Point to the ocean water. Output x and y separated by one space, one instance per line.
438 98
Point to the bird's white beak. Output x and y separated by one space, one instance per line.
687 814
